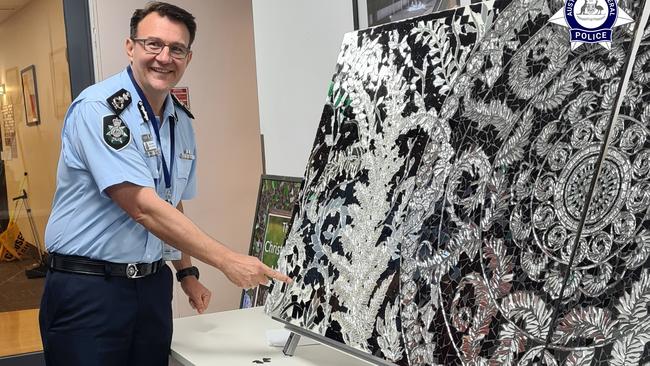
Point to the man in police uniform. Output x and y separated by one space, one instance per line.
128 159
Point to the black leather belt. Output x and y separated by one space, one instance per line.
83 265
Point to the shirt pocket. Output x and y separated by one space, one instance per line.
183 168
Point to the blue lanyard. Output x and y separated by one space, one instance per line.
156 129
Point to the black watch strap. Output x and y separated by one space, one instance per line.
189 271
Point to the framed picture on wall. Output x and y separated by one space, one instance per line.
30 95
370 13
276 199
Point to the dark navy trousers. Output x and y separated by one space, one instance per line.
101 321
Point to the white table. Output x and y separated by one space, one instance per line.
238 337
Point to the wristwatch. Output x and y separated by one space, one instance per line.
189 271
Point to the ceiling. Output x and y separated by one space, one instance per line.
8 7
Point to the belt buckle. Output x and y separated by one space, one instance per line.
132 271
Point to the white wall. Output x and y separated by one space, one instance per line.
223 97
296 44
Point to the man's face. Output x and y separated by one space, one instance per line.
157 74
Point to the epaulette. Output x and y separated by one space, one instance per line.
182 106
119 101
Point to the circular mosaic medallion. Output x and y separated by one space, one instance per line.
609 194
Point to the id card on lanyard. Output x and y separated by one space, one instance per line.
169 252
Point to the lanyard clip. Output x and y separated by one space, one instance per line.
168 196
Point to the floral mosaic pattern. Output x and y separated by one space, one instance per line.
447 215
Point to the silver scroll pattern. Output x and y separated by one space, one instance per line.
447 184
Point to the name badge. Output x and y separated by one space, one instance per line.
187 155
149 144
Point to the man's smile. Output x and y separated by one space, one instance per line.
159 70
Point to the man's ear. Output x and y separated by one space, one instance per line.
128 47
189 58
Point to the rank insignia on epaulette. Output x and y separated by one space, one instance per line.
143 111
182 106
115 132
119 101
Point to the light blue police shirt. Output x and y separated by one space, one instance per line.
84 220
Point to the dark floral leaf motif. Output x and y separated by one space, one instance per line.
553 96
639 198
474 163
585 101
496 113
480 323
641 253
538 356
632 97
514 149
634 325
633 305
501 265
467 239
582 134
529 308
602 126
523 186
634 138
580 358
309 316
628 350
586 323
511 342
554 281
638 74
594 284
546 50
534 264
543 143
641 167
645 117
609 90
491 75
613 63
520 229
389 339
449 107
593 67
499 199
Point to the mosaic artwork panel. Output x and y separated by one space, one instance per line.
446 216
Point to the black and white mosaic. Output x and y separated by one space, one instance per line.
447 215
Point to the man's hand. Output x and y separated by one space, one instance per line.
246 271
198 295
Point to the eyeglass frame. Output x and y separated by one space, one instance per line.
168 45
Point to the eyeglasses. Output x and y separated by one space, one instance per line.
155 46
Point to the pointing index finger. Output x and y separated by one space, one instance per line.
278 276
